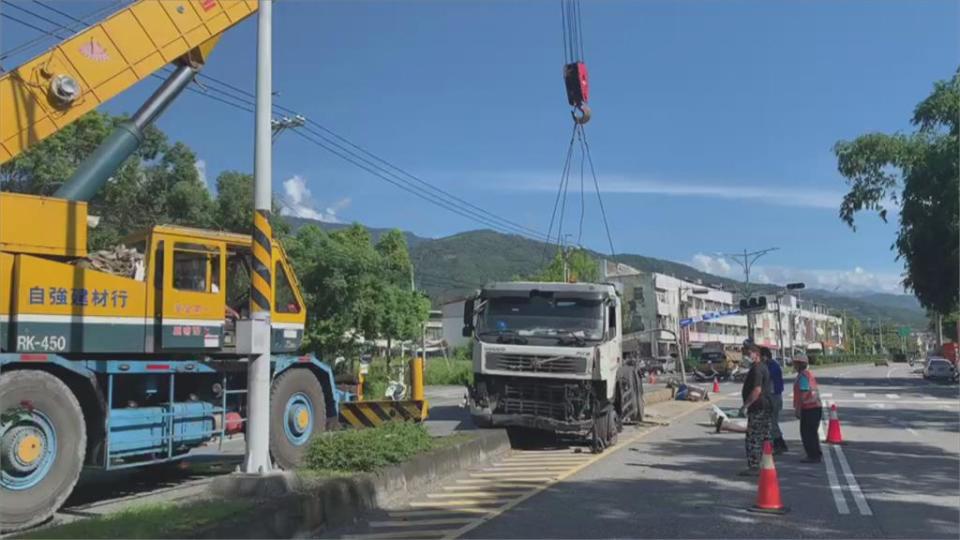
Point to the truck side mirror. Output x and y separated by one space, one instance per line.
612 316
468 317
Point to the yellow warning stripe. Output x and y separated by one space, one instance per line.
261 282
375 413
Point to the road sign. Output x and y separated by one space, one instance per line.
904 331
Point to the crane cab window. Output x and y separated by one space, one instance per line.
196 268
284 300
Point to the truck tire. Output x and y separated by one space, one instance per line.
298 413
42 447
605 428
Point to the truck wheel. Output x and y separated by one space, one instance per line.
298 413
43 441
605 429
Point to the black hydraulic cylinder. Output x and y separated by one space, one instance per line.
123 141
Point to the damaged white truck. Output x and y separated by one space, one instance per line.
548 356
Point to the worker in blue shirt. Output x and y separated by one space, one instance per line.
776 377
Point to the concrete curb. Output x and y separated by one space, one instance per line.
289 505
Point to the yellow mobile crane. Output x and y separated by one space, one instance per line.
118 371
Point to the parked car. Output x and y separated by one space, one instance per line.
940 369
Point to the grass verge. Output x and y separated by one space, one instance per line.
370 449
161 520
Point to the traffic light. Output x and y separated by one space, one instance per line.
753 305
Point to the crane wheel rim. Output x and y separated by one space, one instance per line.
298 418
29 448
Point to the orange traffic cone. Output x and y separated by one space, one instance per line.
768 488
833 428
716 386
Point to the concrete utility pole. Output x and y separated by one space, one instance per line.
746 260
257 459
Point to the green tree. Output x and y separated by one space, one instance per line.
234 202
392 247
919 173
159 183
580 267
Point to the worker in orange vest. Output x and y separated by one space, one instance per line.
808 408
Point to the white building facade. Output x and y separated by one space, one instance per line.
659 306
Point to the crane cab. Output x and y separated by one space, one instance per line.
199 287
191 289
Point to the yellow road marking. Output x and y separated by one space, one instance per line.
507 474
402 514
623 443
520 468
458 502
490 487
420 522
403 534
495 481
468 495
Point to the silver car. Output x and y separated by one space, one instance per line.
938 368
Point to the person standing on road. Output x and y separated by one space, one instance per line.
808 408
756 404
776 400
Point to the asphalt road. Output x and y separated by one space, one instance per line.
898 476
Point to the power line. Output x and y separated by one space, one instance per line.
382 161
367 161
82 22
33 14
373 169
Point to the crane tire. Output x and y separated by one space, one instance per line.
51 415
293 391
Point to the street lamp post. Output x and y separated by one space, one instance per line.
746 260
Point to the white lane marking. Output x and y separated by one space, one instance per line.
860 395
877 406
891 370
835 487
826 395
892 396
852 484
929 397
912 432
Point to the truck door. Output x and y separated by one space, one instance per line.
193 299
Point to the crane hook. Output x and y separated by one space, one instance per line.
584 116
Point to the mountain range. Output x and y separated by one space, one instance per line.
450 267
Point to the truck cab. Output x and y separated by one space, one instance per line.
548 356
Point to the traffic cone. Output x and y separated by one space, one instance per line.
716 386
833 428
768 488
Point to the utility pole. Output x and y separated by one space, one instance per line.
257 459
746 260
882 347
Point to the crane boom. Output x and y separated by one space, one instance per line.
50 91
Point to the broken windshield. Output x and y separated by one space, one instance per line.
565 321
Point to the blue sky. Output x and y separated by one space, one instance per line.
712 130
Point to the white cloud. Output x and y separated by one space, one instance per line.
201 166
298 202
611 183
854 280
